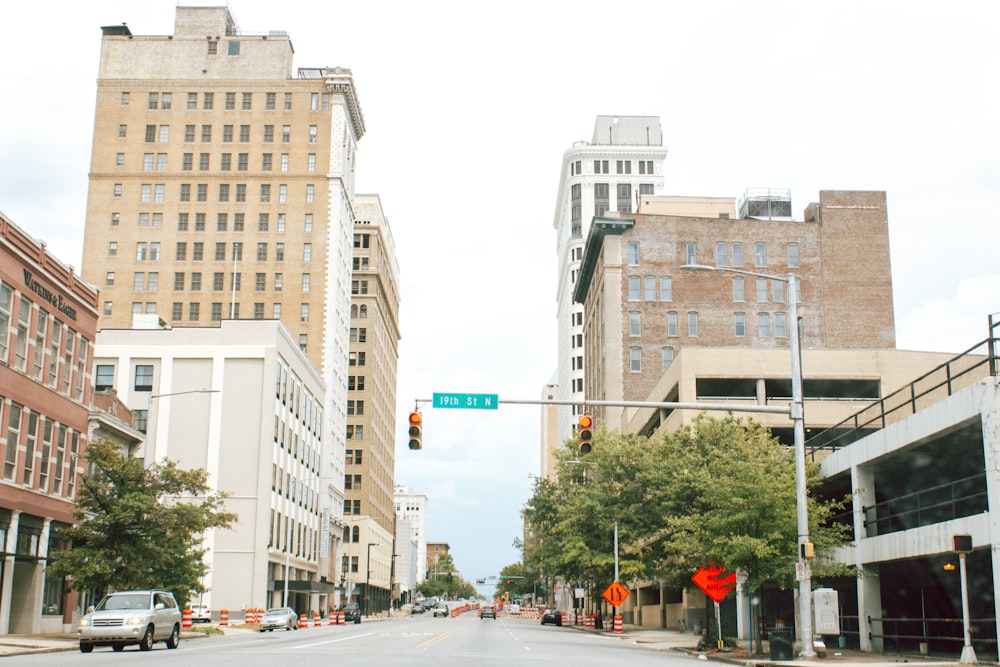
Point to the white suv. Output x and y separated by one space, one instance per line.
131 617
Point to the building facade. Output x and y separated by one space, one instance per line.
642 309
48 321
242 402
221 187
622 162
371 401
412 508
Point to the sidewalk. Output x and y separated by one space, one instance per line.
686 644
31 644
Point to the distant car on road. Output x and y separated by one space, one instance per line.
442 610
417 608
352 612
279 617
551 616
200 613
488 611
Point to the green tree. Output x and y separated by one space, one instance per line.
443 578
719 490
139 527
516 580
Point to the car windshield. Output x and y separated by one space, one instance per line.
128 601
275 612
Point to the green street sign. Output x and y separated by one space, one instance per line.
466 401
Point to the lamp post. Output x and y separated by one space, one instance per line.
150 448
368 578
795 411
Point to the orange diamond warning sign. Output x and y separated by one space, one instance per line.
615 594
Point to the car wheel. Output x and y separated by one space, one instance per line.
175 638
262 629
117 647
559 624
146 643
86 648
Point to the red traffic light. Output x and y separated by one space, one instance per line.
416 430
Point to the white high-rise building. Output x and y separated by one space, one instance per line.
412 507
623 160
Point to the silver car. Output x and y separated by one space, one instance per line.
279 617
131 617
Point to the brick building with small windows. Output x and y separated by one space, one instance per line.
48 321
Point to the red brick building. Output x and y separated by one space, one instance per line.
48 320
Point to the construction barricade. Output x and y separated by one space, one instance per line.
316 621
224 618
619 627
303 623
186 616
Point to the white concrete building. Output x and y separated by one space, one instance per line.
412 507
623 160
241 401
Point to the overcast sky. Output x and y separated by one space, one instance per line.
469 108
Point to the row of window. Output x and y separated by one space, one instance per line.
154 219
39 452
150 282
294 537
158 162
621 167
727 254
57 355
764 327
157 193
156 100
160 134
644 288
151 251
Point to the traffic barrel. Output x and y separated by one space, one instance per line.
302 621
186 618
333 618
316 621
590 621
224 618
619 627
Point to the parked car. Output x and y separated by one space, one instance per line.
551 616
279 617
131 617
488 611
442 610
200 613
418 608
352 612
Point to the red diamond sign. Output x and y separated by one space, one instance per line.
709 579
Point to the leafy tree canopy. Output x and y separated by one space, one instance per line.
139 527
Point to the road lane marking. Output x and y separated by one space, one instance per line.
443 635
334 641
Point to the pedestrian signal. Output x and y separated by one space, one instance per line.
416 431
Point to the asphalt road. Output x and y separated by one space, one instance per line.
416 641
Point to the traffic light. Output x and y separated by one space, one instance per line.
416 430
585 433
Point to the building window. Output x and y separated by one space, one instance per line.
722 254
666 288
306 282
634 323
282 193
633 253
112 248
759 254
310 193
691 252
120 159
737 249
780 325
692 323
666 355
601 167
118 190
672 323
623 167
244 134
265 193
311 162
602 198
635 359
143 378
227 134
740 324
738 291
649 288
762 290
763 324
777 291
304 312
266 161
213 47
109 278
115 218
308 222
793 255
284 162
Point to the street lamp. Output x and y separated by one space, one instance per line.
803 573
368 578
150 448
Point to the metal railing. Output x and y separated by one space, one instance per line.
961 497
953 375
905 633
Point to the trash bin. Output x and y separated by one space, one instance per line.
782 643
